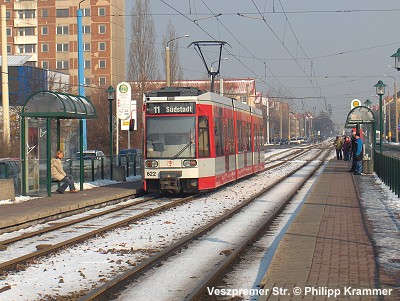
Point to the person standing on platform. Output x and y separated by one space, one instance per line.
359 154
338 143
346 148
353 152
58 174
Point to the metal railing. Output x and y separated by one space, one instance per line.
99 168
388 170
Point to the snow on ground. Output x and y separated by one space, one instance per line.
101 258
382 209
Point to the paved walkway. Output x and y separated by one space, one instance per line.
57 204
327 249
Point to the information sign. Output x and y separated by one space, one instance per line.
124 100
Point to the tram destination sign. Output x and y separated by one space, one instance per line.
171 108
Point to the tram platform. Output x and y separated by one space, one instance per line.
328 248
58 204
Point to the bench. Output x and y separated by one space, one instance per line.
55 185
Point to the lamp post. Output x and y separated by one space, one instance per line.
168 59
81 89
397 66
368 103
110 96
380 90
395 106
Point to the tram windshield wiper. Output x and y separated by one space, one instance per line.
182 150
185 147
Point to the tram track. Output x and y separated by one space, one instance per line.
46 250
112 288
54 225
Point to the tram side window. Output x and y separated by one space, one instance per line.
248 136
204 140
239 135
219 141
231 136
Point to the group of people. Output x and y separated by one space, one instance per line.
350 149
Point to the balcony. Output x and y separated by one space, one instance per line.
31 22
25 5
18 40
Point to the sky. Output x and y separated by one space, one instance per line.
318 53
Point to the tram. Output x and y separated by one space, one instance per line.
196 141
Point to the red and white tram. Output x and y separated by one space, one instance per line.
195 141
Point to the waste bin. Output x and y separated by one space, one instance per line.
119 173
7 189
368 166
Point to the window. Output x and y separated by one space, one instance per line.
219 139
102 11
8 15
102 46
204 141
86 46
9 49
45 47
102 81
62 13
9 31
86 81
45 64
26 31
86 12
86 29
102 64
45 13
27 14
86 64
63 47
62 29
27 48
45 30
62 65
102 29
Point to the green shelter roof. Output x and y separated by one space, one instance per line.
58 105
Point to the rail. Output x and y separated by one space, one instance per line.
388 170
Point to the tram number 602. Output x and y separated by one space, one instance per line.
151 173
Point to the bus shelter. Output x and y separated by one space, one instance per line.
362 119
47 120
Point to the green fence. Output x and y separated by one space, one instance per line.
388 170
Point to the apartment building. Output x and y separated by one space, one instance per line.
47 30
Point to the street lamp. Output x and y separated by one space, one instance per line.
368 103
395 106
380 90
110 96
397 66
168 59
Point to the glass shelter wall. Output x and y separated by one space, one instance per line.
363 120
36 149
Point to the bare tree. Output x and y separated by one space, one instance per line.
142 53
176 68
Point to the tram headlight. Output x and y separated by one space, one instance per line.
151 163
189 163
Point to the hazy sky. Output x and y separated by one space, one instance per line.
313 50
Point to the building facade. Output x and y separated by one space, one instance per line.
47 30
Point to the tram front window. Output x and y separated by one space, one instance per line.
170 137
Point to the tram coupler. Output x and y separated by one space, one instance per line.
170 181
